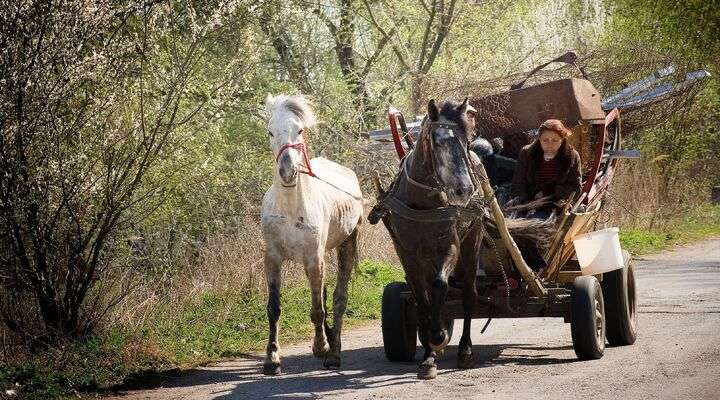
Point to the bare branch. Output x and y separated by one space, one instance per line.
394 43
378 51
425 44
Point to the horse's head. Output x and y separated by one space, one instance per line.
448 130
289 117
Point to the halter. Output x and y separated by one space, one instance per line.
302 148
438 187
388 202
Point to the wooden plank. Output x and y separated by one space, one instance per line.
580 224
567 276
534 283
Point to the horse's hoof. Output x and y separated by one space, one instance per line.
427 371
271 368
332 362
465 361
320 351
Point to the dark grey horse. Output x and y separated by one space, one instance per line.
437 175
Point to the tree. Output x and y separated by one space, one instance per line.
687 28
90 99
416 60
359 34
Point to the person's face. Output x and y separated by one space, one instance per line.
550 141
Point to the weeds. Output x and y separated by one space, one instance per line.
203 328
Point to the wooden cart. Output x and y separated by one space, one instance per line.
598 307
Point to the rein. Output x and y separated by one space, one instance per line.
416 183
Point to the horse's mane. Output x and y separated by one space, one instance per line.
296 104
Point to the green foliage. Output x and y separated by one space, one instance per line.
688 28
79 367
216 325
700 223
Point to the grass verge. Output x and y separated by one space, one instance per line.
204 328
698 224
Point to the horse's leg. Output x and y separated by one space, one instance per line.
468 262
315 271
427 368
438 331
414 273
347 260
272 277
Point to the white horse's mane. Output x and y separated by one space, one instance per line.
296 104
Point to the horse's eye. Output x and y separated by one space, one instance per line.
270 133
300 132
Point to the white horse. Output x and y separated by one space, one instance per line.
312 206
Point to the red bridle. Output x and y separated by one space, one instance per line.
303 150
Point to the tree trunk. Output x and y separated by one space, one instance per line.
417 96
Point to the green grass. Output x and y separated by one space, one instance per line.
217 325
204 328
698 224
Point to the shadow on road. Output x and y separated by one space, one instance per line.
362 368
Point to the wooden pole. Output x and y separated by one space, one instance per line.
528 276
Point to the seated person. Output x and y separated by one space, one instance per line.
548 167
499 168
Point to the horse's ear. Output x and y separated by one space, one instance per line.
433 110
466 108
269 103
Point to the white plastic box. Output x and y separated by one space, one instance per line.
599 251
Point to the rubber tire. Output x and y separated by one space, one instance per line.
620 306
399 337
588 344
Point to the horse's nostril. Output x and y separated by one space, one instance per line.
288 174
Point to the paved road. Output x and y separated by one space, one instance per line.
677 355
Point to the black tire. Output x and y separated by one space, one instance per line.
620 301
399 336
587 323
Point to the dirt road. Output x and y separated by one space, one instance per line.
676 356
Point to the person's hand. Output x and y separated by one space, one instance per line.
512 202
539 196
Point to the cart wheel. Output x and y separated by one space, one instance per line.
587 324
399 336
619 294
